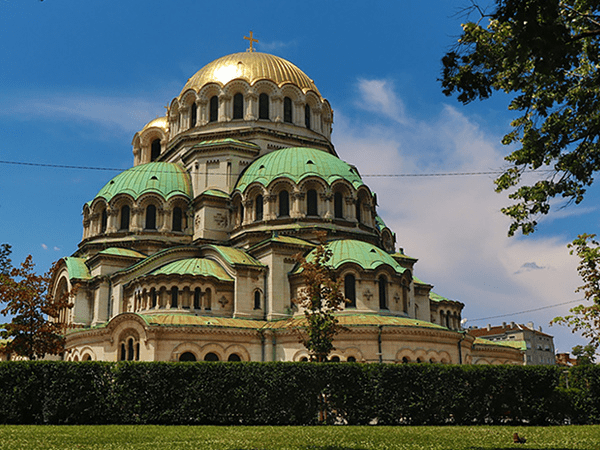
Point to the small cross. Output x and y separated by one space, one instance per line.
252 40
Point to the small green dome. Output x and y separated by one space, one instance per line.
366 255
194 266
296 164
165 179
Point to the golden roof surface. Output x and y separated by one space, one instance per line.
159 122
252 67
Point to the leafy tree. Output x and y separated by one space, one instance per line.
320 299
5 262
585 355
546 55
586 318
34 330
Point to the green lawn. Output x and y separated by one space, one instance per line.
332 437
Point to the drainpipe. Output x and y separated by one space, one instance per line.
462 338
379 343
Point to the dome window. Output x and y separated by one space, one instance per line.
256 299
197 298
307 116
150 217
263 106
358 208
154 178
350 290
382 282
214 108
338 206
287 110
259 205
310 161
193 115
284 204
177 219
125 212
238 106
311 203
155 150
174 297
103 221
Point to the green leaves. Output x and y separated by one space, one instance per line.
544 54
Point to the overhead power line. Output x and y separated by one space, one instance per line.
373 175
527 311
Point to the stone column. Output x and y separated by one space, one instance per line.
327 198
112 220
202 112
296 210
251 112
276 111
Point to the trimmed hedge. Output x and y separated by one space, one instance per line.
43 392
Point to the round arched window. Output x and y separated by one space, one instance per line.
211 357
234 357
187 356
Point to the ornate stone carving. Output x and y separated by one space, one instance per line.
221 220
367 294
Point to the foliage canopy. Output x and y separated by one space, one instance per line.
545 54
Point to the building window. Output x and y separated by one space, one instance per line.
234 358
211 357
311 203
259 205
207 299
214 109
338 205
187 357
256 299
103 221
124 218
130 351
358 208
193 115
350 290
150 217
174 297
197 298
263 106
383 303
307 116
177 219
154 150
153 297
284 204
351 359
238 106
287 110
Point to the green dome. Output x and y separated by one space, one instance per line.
366 255
194 266
165 179
296 164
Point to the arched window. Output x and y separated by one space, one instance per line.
130 350
211 357
263 106
197 298
177 219
207 299
287 110
234 358
187 357
150 217
214 109
123 356
124 218
311 203
193 115
351 359
383 303
405 300
256 299
103 221
155 150
307 116
238 106
174 297
153 297
284 204
338 205
241 214
258 208
350 290
358 208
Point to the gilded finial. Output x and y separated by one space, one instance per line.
252 40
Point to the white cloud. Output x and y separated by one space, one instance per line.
272 46
44 246
453 224
378 96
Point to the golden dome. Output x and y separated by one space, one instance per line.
159 122
252 67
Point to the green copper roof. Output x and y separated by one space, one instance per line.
122 252
436 297
235 255
215 193
520 345
165 179
183 320
194 266
364 254
296 164
226 141
77 268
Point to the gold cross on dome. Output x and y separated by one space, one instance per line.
252 40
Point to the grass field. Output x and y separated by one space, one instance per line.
330 438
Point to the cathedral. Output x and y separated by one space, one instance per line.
190 254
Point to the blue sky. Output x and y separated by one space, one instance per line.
79 78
